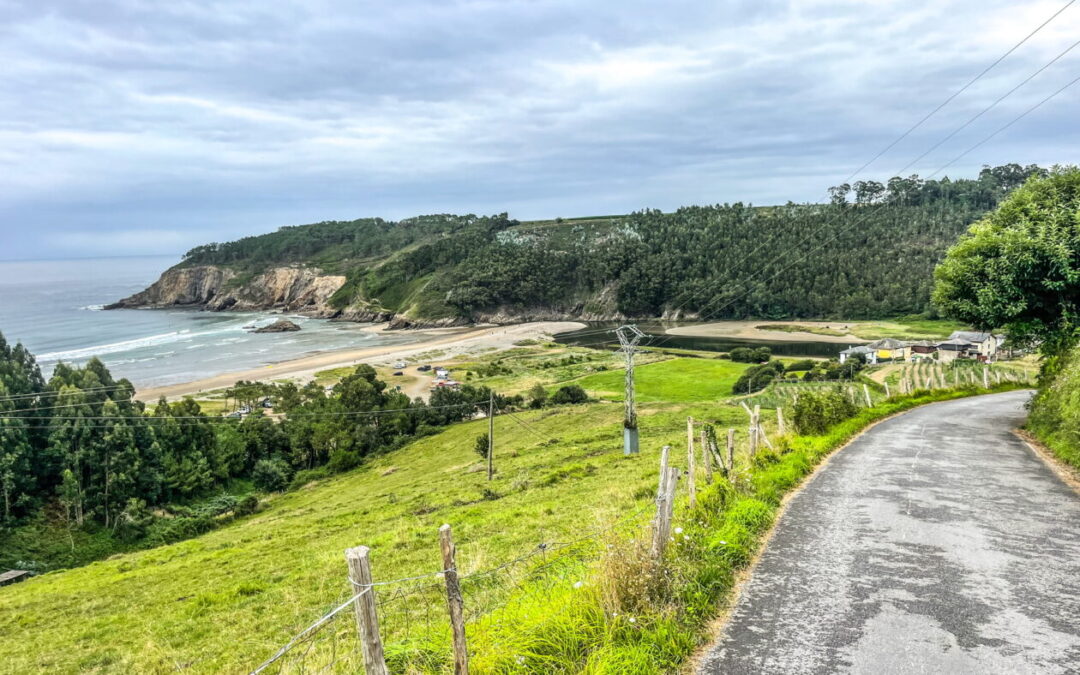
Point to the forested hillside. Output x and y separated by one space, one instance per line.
80 455
870 253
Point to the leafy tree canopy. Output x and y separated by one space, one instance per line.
1019 267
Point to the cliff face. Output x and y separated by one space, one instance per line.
294 289
306 290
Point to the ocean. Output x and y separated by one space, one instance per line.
54 308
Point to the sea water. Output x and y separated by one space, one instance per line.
54 308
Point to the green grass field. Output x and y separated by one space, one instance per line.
226 600
680 379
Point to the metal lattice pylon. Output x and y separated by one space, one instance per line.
629 337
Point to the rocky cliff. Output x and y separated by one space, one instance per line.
304 290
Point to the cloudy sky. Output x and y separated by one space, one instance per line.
135 126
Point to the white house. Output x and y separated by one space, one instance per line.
869 353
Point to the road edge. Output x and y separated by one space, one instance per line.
716 627
1068 475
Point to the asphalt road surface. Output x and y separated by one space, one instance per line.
936 543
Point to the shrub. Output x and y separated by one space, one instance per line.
750 354
815 412
757 378
481 445
247 506
343 460
800 366
304 477
538 396
571 393
134 520
271 475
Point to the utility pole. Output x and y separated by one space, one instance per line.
491 434
629 337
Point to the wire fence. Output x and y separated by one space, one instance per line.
412 611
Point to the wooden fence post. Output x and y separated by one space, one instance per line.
691 486
986 378
706 452
491 434
731 451
780 426
367 618
866 394
664 453
753 435
665 509
454 602
887 394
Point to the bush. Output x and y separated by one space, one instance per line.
815 412
538 396
800 366
343 460
134 520
271 475
481 445
247 506
304 477
757 378
571 393
750 354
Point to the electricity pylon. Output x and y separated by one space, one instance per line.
629 337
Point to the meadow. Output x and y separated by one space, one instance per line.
552 550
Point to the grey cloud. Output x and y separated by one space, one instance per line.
230 118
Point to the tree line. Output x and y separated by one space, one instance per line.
868 253
79 449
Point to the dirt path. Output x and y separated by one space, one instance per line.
937 542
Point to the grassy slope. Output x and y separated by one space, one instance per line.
675 380
228 599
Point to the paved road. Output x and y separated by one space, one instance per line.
936 543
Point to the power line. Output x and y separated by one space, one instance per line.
205 417
1004 127
988 108
762 244
959 91
65 389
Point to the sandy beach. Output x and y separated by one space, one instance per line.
748 330
451 342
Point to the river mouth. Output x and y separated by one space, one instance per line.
656 336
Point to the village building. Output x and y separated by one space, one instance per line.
889 348
984 346
923 349
955 348
868 354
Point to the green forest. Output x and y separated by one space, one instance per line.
869 253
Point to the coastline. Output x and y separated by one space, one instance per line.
450 341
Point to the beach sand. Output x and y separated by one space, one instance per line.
748 330
451 342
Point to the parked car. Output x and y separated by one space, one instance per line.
424 369
400 364
244 410
267 403
398 373
234 415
